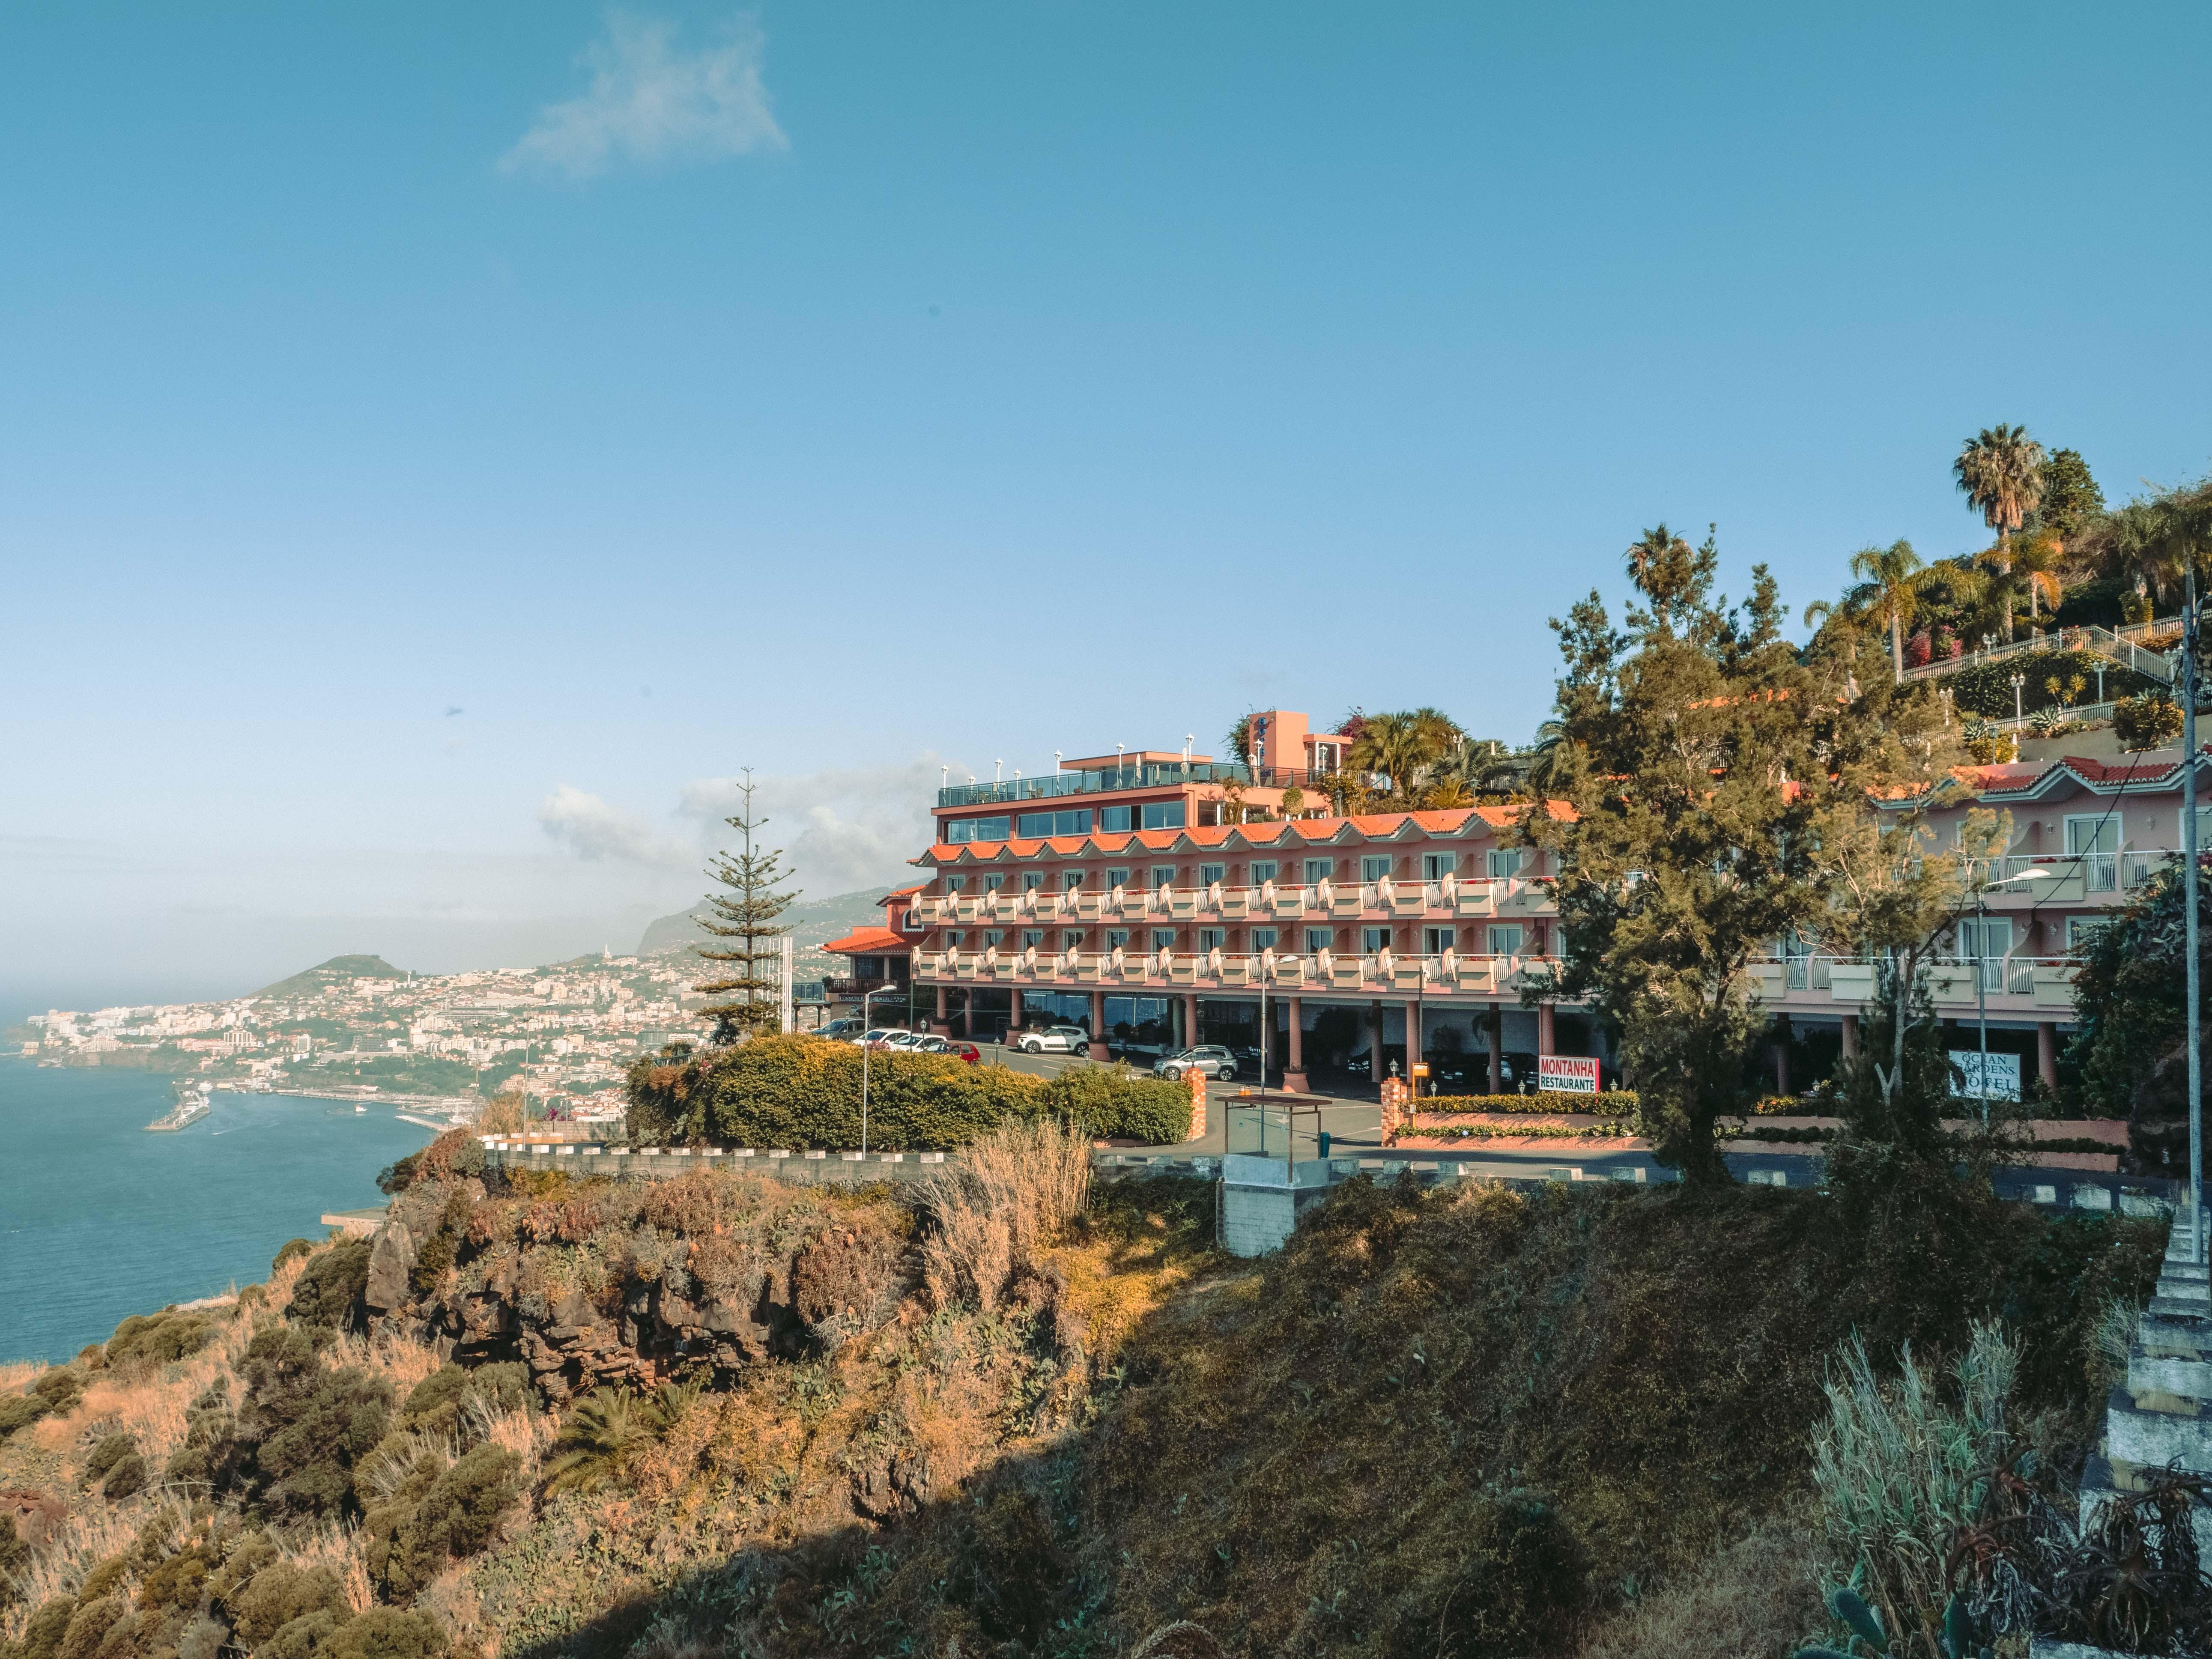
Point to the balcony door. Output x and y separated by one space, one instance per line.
1987 941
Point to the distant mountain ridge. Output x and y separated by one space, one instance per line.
337 970
813 923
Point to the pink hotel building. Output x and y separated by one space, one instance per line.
1113 896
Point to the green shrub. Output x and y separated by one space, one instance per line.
2149 722
112 1450
387 1633
128 1476
280 1594
159 1339
1619 1103
329 1292
104 1579
1985 688
42 1636
88 1627
20 1411
1111 1102
58 1388
291 1250
301 1637
178 1581
14 1557
801 1091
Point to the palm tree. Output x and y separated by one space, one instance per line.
1888 587
605 1433
2001 472
1400 747
1658 553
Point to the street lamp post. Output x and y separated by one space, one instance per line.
866 997
2018 682
2190 689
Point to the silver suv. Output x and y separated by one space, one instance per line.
1211 1061
1057 1039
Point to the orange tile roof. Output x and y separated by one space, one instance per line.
867 941
899 893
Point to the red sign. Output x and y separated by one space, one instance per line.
1567 1074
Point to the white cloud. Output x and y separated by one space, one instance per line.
840 831
595 829
651 102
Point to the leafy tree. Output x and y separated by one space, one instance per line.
747 914
2071 501
2000 472
329 1291
1710 772
2131 999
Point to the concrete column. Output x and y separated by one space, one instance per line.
1782 1053
2046 1053
1497 1050
1545 1043
1190 1021
1098 1026
1375 1043
1850 1036
1013 1012
1294 1071
1412 1043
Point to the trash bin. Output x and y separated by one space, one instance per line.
1324 1143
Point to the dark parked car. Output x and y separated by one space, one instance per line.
1214 1062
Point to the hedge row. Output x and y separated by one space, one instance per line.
1619 1103
1985 688
804 1092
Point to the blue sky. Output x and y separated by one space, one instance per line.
849 390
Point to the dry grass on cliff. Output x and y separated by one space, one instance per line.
1015 1190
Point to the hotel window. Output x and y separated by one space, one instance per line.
954 884
1434 867
1117 937
1113 820
1319 870
1163 815
2080 930
1320 938
1505 860
1163 875
1263 938
992 884
954 939
1072 879
1038 825
1374 868
1071 940
1164 938
1032 880
1505 940
1210 873
1436 941
959 830
993 935
1372 939
1263 871
1117 879
1213 938
1033 936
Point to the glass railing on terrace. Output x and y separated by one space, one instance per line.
1152 775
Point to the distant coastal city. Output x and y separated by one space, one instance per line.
357 1027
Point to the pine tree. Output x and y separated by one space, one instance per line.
747 914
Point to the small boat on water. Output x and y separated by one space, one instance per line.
194 1102
358 1109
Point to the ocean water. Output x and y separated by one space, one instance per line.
99 1219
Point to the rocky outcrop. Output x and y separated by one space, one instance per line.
391 1257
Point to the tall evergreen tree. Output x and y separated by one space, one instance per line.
746 913
1711 770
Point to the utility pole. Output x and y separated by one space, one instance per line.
2189 681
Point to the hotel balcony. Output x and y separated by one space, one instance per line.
2011 985
1442 900
1373 974
2074 878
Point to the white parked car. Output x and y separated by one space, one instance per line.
1213 1061
1057 1040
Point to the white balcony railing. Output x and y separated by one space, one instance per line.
1373 973
1444 899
